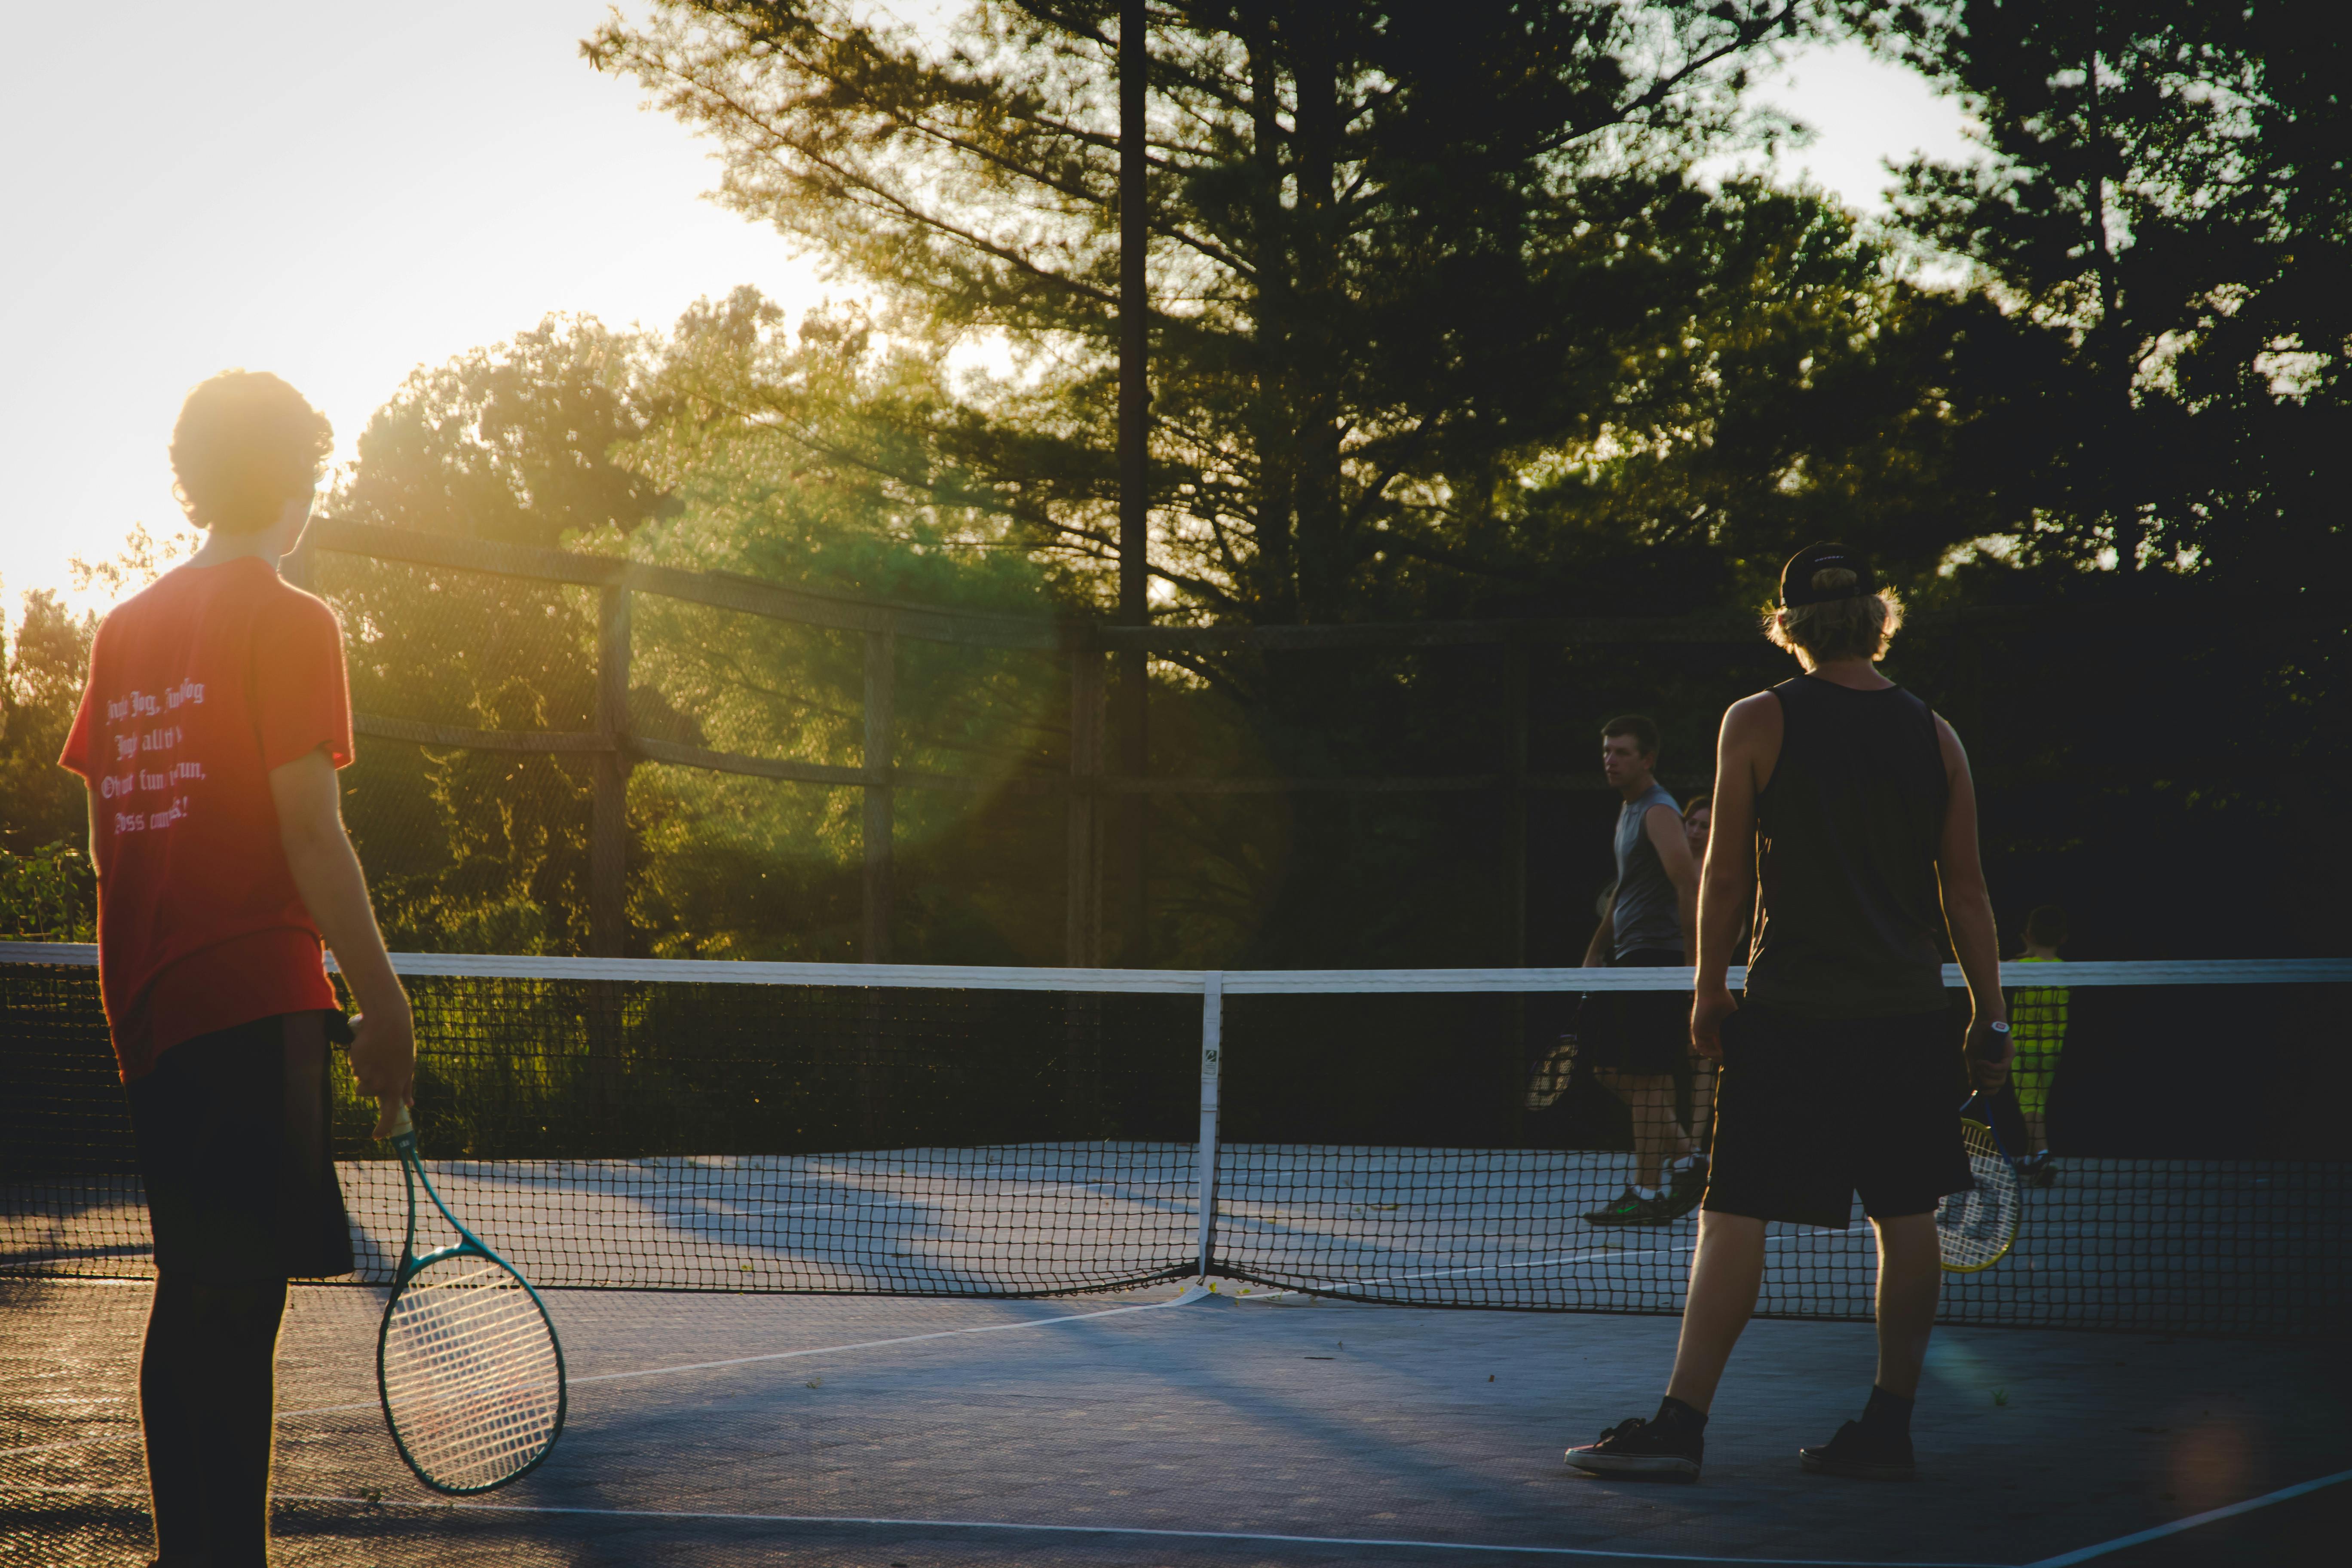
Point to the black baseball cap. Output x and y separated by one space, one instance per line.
1797 577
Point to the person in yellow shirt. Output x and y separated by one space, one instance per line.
2037 1022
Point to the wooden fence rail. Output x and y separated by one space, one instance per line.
1082 646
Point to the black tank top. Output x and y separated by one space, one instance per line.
1848 921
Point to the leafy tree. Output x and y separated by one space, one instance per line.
2160 211
48 888
41 676
745 866
1442 328
514 444
2162 191
47 895
1391 247
142 560
487 850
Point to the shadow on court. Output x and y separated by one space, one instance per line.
758 1429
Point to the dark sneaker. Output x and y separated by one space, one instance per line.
2036 1171
1689 1185
1636 1447
1631 1208
1862 1453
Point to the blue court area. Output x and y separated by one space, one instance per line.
1147 1429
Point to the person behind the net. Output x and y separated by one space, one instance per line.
209 733
2037 1018
1643 1043
1849 800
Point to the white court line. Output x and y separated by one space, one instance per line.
1592 1551
1192 1293
2085 1554
1336 1288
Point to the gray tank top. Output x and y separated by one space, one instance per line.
1646 913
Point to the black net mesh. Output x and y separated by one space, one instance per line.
683 1136
633 1132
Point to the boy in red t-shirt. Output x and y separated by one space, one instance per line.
209 735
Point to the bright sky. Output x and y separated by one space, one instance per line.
341 192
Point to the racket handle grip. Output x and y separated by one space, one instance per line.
401 1124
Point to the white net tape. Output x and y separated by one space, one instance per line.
471 1380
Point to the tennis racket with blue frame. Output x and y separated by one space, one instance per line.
1975 1229
466 1361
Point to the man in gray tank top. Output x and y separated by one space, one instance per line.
1636 1042
1844 808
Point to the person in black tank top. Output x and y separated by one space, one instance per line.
1845 817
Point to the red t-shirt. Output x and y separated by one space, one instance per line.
198 688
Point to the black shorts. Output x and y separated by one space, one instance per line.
1808 1112
234 1147
1644 1032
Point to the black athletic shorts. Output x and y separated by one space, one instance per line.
1637 1031
234 1148
1808 1112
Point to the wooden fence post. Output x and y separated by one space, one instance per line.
1082 930
1081 1012
1133 816
608 824
881 756
1516 658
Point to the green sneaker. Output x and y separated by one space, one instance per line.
1688 1187
1631 1208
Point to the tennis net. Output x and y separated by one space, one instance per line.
1416 1137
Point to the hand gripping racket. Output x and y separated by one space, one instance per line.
466 1361
1975 1229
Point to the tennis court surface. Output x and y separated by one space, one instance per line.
902 1273
754 1429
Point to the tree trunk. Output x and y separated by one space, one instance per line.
2115 355
1134 499
1322 566
1272 581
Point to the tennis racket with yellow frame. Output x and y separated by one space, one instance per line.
1975 1229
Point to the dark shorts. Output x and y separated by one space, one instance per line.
234 1148
1637 1031
1808 1112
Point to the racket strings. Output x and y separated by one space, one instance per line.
1975 1228
471 1379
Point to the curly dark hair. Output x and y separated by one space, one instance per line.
247 444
